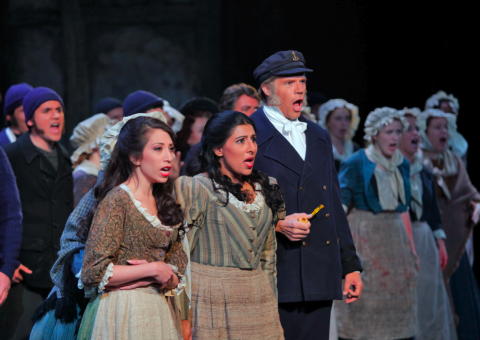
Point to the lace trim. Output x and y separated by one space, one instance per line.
254 208
182 282
106 277
153 220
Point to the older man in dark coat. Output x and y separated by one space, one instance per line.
314 253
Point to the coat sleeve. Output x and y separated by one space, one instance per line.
104 240
10 218
348 252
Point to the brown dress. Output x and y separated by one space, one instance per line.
455 210
123 230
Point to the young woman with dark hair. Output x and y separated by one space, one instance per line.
136 218
232 210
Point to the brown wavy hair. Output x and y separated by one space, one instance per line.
131 142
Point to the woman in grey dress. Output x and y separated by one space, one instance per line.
232 211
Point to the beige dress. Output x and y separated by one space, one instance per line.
123 230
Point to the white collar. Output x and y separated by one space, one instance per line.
281 123
292 130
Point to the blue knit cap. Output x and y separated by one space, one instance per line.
139 102
106 104
37 97
14 97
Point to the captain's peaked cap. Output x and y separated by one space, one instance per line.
281 64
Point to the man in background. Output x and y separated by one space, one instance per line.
44 179
13 111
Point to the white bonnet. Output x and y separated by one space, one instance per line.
326 108
109 138
175 114
434 101
429 113
379 118
86 135
413 111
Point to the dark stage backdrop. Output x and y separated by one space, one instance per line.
372 53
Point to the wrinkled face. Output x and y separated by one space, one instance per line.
245 104
388 139
48 121
290 93
115 114
237 155
156 162
338 123
410 141
437 133
17 120
445 106
196 130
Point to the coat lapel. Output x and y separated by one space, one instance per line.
317 152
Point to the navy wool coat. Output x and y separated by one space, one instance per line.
312 269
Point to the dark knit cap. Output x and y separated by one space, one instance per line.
140 101
106 104
281 64
14 97
37 97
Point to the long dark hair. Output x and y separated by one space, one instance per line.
217 130
131 142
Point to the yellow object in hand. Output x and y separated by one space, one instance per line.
317 209
313 213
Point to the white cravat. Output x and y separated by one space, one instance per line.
292 130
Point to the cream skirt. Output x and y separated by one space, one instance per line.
141 313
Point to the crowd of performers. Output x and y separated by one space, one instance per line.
252 218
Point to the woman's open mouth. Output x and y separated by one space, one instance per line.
249 162
165 171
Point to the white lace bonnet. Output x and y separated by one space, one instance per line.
109 138
379 118
328 107
434 101
86 135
